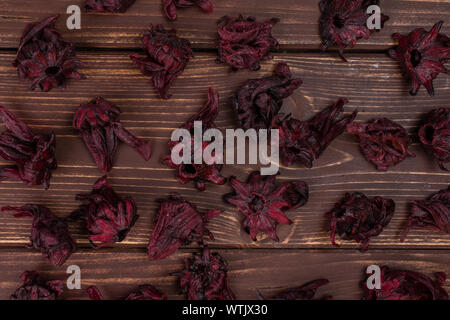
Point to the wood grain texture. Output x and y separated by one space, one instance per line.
298 28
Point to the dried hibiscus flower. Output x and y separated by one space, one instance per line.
170 6
109 216
435 135
34 288
264 203
208 170
144 292
432 214
33 153
358 218
205 277
108 5
305 141
44 59
258 101
178 222
49 234
382 141
304 292
344 22
244 43
407 285
422 55
99 125
167 56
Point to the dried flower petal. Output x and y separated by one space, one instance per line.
44 59
344 22
109 216
264 203
407 285
108 5
244 43
258 101
432 214
305 141
383 142
170 6
358 218
435 135
422 55
205 277
99 125
34 288
178 222
49 234
304 292
144 292
33 153
199 173
167 56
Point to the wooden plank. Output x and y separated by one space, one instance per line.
298 28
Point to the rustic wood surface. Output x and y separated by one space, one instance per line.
370 80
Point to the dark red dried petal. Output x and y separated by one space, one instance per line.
244 43
99 125
304 292
264 203
178 222
170 6
422 55
358 218
343 22
383 142
44 59
407 285
144 292
166 59
108 5
258 101
34 288
33 153
109 216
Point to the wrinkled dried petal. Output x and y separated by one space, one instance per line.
304 292
264 203
407 285
99 125
33 153
344 22
244 43
108 5
170 6
432 214
34 288
258 101
383 142
435 135
178 222
305 141
109 216
144 292
358 218
44 59
422 55
166 57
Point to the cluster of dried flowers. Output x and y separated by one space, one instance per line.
108 5
170 6
34 288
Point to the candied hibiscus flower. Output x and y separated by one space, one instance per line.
209 169
422 55
34 288
264 203
244 43
108 5
344 22
144 292
99 125
109 216
305 141
407 285
44 59
205 277
258 101
49 234
304 292
170 6
435 135
358 218
33 153
383 142
178 222
167 56
432 214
